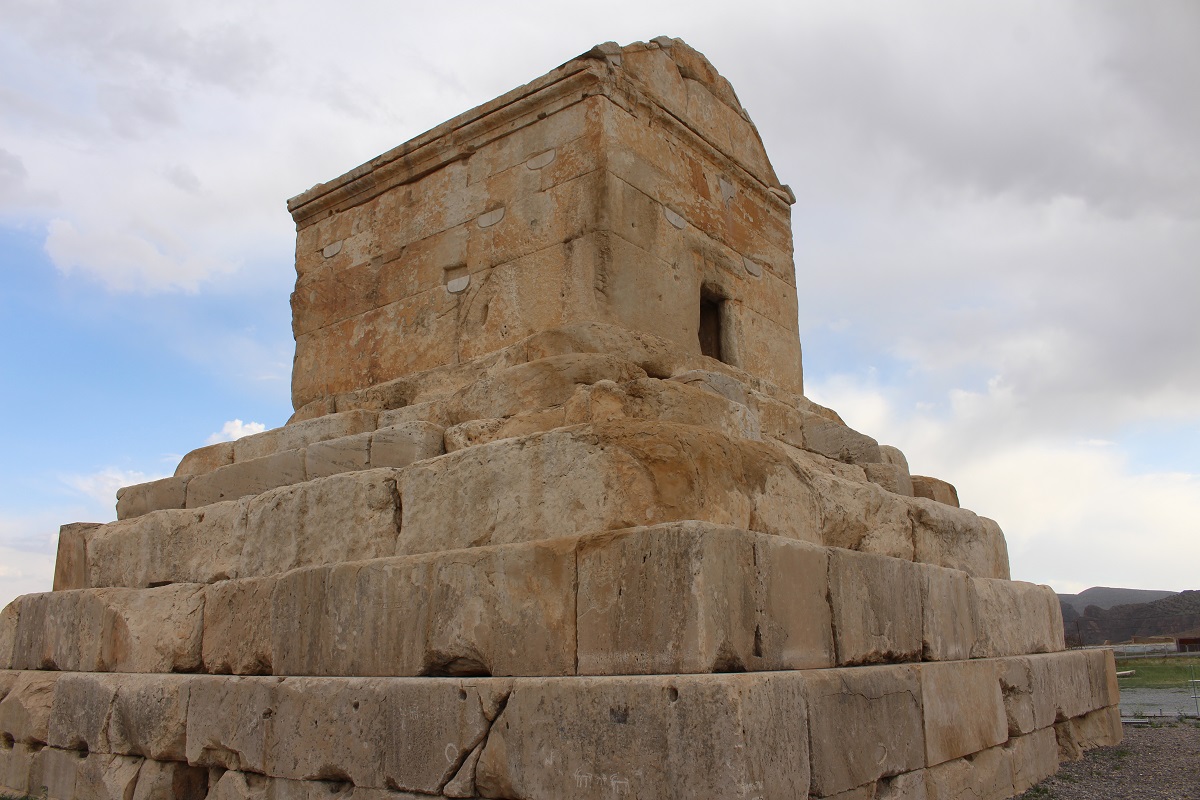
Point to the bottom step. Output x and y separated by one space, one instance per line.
915 730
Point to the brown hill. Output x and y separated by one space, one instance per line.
1170 616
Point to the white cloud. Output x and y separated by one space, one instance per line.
101 486
236 429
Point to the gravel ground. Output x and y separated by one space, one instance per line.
1157 702
1152 763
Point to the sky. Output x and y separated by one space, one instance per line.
997 233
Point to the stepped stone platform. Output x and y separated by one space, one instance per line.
553 517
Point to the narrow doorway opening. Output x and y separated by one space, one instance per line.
711 312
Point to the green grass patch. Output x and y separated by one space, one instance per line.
1159 673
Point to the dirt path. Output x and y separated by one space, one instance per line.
1158 763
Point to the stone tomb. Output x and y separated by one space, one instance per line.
553 518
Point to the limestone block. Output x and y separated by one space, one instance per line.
839 442
401 444
170 780
1102 673
344 454
246 478
964 709
957 538
172 546
432 411
117 777
149 716
667 401
876 607
537 384
299 435
427 730
671 736
717 383
1034 758
52 772
8 635
25 710
228 722
948 624
892 477
70 566
690 597
986 775
484 611
605 476
112 630
849 707
855 514
15 763
894 456
343 517
471 433
237 626
377 732
934 489
1099 728
205 459
80 712
142 498
1014 618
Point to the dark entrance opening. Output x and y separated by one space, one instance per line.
711 312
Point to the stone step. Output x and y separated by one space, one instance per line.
524 398
683 597
769 735
582 479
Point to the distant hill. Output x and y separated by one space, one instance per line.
1107 597
1173 615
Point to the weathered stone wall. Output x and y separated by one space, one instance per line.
616 189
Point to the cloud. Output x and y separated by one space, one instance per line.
235 429
101 486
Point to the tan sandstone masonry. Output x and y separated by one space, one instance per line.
552 518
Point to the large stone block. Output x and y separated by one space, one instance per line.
671 401
112 630
987 775
1014 618
839 442
344 517
1034 758
299 435
172 546
1099 728
963 708
876 605
599 477
485 611
70 565
401 444
149 716
934 489
957 538
246 478
205 459
855 514
25 709
115 777
15 762
948 622
864 723
81 710
8 634
237 626
169 780
690 597
345 454
142 498
676 736
376 732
